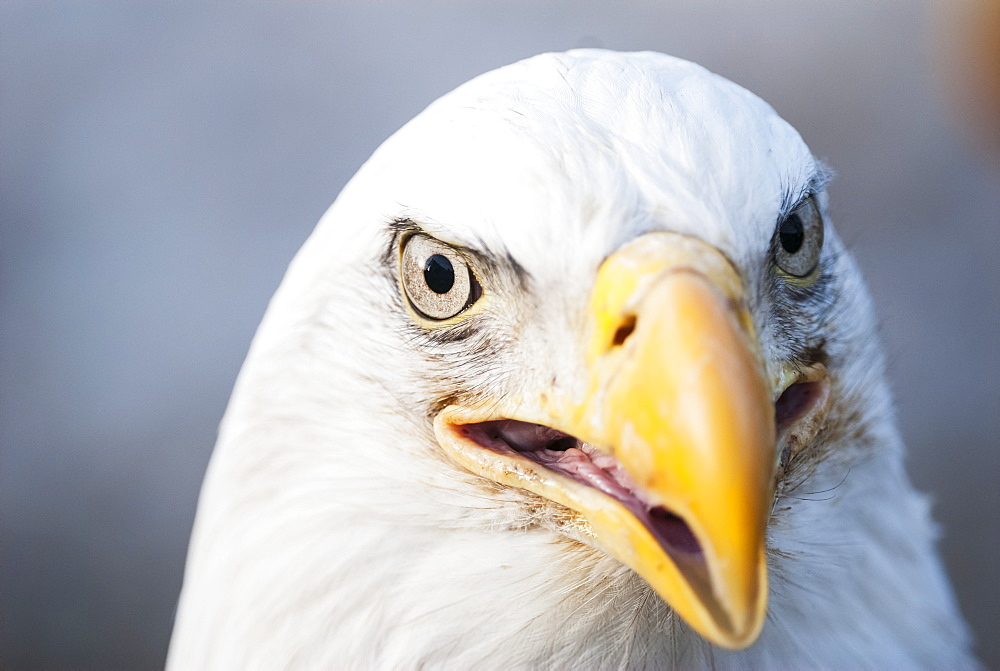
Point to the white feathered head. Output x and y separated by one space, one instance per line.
574 354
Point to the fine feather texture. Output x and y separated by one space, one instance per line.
333 532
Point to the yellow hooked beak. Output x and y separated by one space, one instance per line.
679 398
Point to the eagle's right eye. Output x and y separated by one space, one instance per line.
436 278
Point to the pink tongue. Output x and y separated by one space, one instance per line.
603 472
554 450
576 464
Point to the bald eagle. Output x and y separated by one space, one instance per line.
575 373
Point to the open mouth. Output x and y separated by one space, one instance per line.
588 465
799 412
798 401
592 467
692 559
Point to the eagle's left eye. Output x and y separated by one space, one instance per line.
437 280
798 239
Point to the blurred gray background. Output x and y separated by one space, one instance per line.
161 163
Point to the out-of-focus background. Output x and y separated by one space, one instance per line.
160 163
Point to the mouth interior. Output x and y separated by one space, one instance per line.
584 463
797 401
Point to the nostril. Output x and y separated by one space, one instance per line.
624 331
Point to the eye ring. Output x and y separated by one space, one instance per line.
798 240
436 279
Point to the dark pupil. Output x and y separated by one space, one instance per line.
791 234
439 274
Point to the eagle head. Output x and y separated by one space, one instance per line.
574 372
